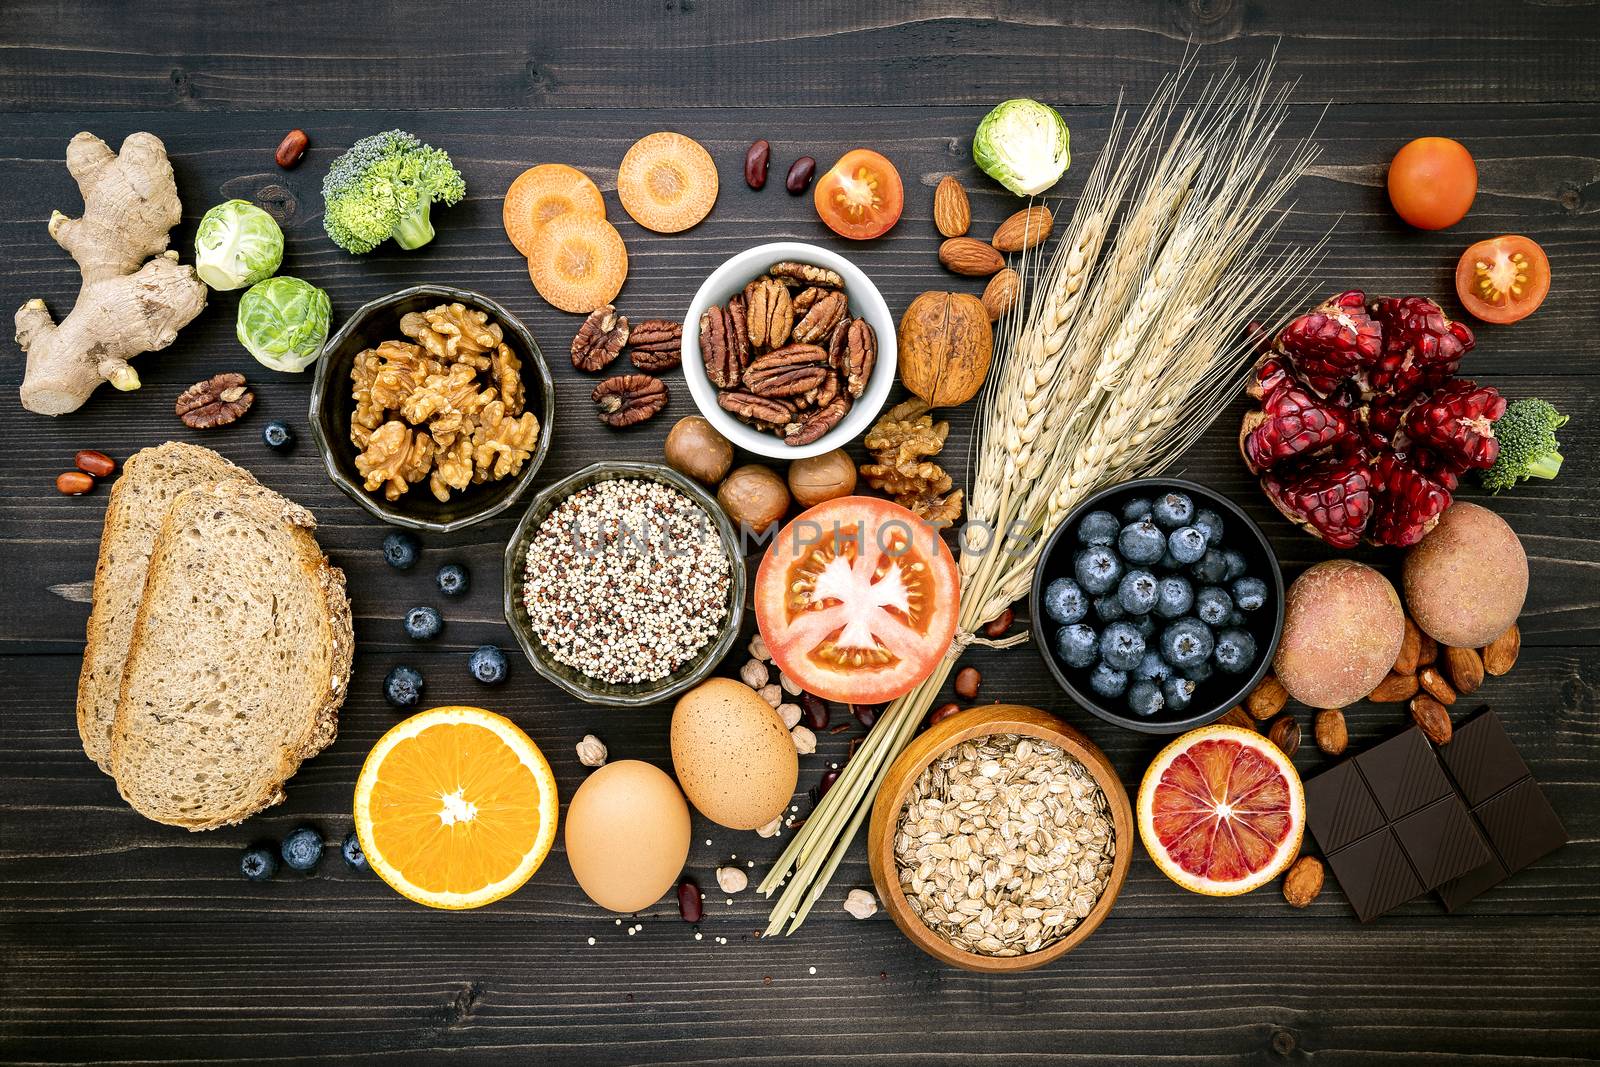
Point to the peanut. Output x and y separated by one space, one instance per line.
1465 667
1500 655
1434 685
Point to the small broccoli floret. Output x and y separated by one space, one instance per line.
1528 445
383 187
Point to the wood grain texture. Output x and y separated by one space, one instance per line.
125 941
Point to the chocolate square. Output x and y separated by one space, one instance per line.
1458 892
1521 824
1403 774
1375 875
1340 808
1442 841
1482 759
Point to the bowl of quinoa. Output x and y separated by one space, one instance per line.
624 584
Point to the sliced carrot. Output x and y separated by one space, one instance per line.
540 194
667 182
578 262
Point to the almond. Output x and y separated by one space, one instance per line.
1331 732
967 255
952 215
1465 667
1303 883
1429 652
1432 718
1434 685
1410 649
1001 293
1267 699
1500 655
1025 229
1237 716
1394 689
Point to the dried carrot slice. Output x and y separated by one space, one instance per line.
667 182
540 194
578 262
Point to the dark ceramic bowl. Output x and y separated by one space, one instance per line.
575 682
332 407
1216 694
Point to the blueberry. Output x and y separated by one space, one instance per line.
1178 692
1108 608
1213 605
1186 643
351 851
488 665
1136 509
277 436
1145 699
1186 544
1121 646
1235 561
258 864
1107 681
1235 617
1235 651
403 687
1169 562
1077 645
1173 510
1145 624
1250 594
302 849
1097 569
1211 568
400 550
1174 596
1141 542
1209 523
1200 672
1065 602
1152 668
423 624
1137 591
1098 528
452 579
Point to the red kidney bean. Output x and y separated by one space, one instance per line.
74 483
943 712
756 159
801 171
998 626
813 711
826 784
689 903
96 463
967 681
866 714
291 148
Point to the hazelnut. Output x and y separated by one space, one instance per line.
754 497
1285 733
694 447
819 478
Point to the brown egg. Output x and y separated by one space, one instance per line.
627 835
733 755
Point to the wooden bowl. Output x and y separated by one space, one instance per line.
939 739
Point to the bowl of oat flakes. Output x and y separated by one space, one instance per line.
1000 839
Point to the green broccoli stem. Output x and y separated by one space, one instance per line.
415 229
1546 466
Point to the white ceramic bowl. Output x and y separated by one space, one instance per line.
865 302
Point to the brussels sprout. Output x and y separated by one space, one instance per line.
283 322
237 245
1022 144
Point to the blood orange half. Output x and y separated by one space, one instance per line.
1221 811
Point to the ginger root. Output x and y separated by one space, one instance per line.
125 305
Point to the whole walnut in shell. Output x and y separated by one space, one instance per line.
946 345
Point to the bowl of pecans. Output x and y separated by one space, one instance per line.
789 350
1000 839
432 408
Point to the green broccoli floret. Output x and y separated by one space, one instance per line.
383 187
1528 445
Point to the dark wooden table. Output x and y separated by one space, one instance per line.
126 941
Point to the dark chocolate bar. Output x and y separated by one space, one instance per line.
1482 759
1375 874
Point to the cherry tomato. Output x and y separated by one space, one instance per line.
1432 182
861 196
1504 279
857 599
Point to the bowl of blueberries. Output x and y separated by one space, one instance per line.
1158 605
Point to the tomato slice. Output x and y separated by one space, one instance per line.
856 600
861 196
1503 279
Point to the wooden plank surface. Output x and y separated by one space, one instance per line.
126 941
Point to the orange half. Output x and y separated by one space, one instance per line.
456 807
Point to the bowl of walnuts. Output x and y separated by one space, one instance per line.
432 408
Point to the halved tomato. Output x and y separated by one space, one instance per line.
861 196
856 599
1504 279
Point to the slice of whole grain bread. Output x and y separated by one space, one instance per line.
239 660
150 479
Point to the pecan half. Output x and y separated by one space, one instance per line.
757 409
656 345
836 342
769 313
217 401
739 331
860 356
787 371
600 339
806 297
813 426
716 349
793 273
822 395
629 399
821 317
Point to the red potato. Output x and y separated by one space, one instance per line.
1342 629
1465 582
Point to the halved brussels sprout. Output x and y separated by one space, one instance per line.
283 321
1023 145
237 245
